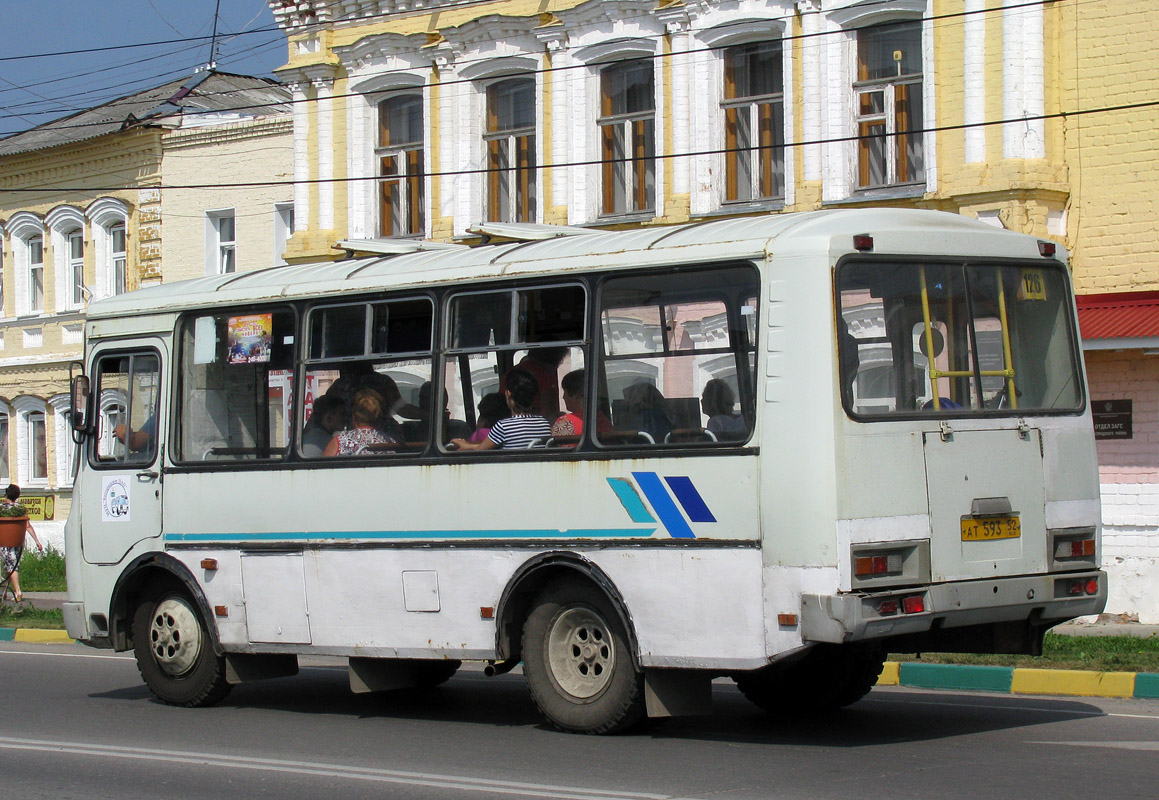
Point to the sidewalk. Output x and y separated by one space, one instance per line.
1009 680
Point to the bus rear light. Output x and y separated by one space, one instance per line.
883 564
863 242
1075 548
915 604
1092 586
1046 249
888 607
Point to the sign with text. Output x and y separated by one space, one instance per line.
1112 419
39 506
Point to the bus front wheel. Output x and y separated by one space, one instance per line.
174 653
577 661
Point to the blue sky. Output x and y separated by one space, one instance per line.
37 90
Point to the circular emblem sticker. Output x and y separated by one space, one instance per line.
115 499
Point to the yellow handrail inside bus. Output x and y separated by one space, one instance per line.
929 334
1011 394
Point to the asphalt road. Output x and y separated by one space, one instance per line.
78 723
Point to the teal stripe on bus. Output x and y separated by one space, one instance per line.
549 533
631 501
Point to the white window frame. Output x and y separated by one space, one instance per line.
3 245
5 446
29 412
400 155
34 246
750 106
64 448
507 141
622 127
283 230
106 215
220 253
66 225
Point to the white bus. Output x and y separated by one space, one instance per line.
808 440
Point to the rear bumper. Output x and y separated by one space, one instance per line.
1035 598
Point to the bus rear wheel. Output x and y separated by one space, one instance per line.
828 678
577 661
174 652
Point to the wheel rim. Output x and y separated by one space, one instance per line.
580 652
175 636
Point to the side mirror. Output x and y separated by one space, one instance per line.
79 392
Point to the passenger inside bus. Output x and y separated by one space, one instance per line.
419 429
647 411
571 424
543 365
719 404
524 428
365 377
367 412
492 408
327 419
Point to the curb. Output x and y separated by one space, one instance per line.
1021 680
35 635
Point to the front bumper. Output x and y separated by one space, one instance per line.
854 617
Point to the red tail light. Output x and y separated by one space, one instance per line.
913 605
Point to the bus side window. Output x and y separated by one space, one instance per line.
678 357
541 330
384 346
128 386
235 385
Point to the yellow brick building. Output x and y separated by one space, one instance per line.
93 205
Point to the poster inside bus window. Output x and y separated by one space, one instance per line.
249 338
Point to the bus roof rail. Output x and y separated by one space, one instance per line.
393 247
527 231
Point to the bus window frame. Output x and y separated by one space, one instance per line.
155 452
176 399
304 364
964 263
739 355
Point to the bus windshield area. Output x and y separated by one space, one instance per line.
945 338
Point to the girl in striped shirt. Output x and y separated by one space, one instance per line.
522 428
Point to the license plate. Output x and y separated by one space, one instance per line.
984 529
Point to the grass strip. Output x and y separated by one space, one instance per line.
12 616
1097 653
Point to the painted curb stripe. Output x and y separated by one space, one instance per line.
666 510
1146 684
948 676
1073 682
889 674
694 505
35 636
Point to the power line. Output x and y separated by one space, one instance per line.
1060 115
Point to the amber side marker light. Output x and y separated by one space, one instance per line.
209 563
221 611
486 612
787 620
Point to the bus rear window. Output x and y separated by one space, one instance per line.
953 339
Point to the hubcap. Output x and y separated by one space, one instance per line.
175 636
580 652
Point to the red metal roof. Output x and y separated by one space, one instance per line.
1119 315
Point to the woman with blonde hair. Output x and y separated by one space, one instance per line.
367 413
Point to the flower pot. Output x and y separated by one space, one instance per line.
12 531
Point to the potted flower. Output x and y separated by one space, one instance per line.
13 524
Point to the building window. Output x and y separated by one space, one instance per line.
119 283
627 127
4 449
754 122
222 245
1 276
400 166
888 97
36 274
76 267
510 141
283 230
34 443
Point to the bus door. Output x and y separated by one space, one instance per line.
122 485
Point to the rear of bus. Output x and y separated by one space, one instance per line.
967 498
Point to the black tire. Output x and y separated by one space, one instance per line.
174 651
430 673
827 678
578 662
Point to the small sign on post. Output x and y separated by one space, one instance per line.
1112 419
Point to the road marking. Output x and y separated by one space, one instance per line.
1114 745
459 782
6 652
